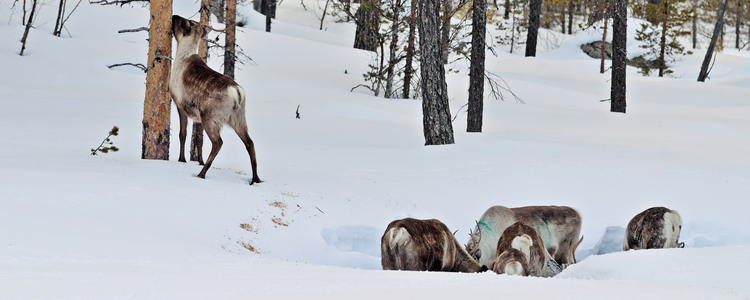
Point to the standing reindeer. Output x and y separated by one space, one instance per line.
204 95
424 245
654 228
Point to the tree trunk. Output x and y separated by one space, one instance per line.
571 8
393 48
438 129
270 12
535 7
323 17
562 17
710 51
506 14
230 39
446 30
408 70
737 22
695 24
619 55
661 62
196 140
28 26
604 43
218 7
155 143
368 25
23 18
476 73
58 30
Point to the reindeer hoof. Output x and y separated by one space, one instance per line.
201 176
255 180
182 159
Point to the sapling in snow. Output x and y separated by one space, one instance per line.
111 147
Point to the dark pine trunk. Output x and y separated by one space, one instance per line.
60 13
408 70
661 62
619 55
392 49
710 51
476 73
368 25
446 30
571 8
438 129
230 40
535 7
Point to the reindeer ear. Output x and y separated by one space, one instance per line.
185 26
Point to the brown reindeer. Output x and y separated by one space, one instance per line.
558 226
204 95
654 228
523 238
424 245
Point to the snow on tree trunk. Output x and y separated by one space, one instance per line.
710 52
230 39
438 129
156 106
619 55
476 73
535 7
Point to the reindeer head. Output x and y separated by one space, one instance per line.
473 245
188 31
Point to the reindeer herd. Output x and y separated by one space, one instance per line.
529 241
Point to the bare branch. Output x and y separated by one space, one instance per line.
139 66
133 30
115 2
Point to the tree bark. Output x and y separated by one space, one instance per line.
695 24
60 14
270 12
535 7
446 30
506 13
368 25
604 43
196 140
710 51
476 73
156 106
393 48
230 38
737 22
619 55
571 8
438 129
408 70
28 26
661 61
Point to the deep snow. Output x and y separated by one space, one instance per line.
115 226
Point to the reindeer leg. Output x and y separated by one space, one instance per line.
245 137
183 132
213 134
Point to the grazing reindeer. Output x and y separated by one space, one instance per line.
557 226
520 238
654 228
204 95
424 245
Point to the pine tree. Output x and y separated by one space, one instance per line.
156 107
619 55
438 129
710 52
535 7
476 74
661 38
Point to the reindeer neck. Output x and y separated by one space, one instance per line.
185 50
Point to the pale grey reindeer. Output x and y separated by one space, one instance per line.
558 226
424 245
205 95
654 228
520 251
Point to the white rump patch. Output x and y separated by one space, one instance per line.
399 236
513 268
523 243
672 228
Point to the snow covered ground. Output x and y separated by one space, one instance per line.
113 226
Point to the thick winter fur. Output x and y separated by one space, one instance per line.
559 227
511 262
525 239
424 245
654 228
205 95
